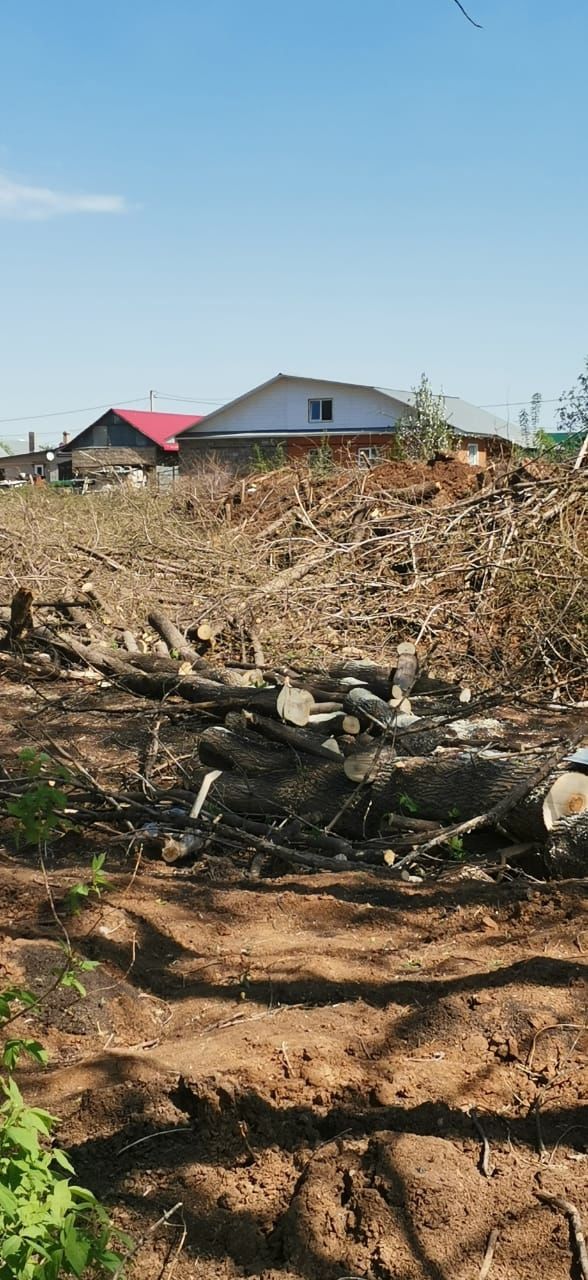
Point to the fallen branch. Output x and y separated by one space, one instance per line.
566 1206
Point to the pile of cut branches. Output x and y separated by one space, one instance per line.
340 765
484 571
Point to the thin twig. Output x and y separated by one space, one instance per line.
485 1155
566 1206
187 1128
489 1254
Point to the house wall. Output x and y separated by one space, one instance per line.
13 466
282 407
489 449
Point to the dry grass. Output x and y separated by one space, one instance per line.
489 575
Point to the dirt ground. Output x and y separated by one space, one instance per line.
297 1061
305 1065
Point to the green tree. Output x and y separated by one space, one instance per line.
424 430
536 405
573 405
525 428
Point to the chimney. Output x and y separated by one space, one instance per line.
31 442
65 438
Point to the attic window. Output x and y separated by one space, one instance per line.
320 410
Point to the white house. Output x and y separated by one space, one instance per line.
296 415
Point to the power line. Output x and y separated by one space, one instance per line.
163 395
514 404
63 413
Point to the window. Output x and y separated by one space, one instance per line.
39 469
368 455
320 410
473 455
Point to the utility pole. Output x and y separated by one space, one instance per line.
152 395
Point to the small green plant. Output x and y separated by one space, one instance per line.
407 805
95 885
49 1227
453 812
265 460
321 460
39 811
456 849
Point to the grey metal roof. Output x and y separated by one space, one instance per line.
464 417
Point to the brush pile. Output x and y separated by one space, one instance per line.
383 667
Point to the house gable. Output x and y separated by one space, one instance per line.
286 407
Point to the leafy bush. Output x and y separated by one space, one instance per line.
266 460
49 1227
39 810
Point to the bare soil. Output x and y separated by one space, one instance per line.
298 1061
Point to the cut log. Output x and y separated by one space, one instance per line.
294 705
561 795
361 766
367 706
566 850
222 747
177 643
208 631
454 785
203 693
316 791
406 672
130 642
566 798
285 734
375 677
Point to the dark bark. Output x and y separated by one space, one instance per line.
457 785
566 850
300 740
377 678
371 709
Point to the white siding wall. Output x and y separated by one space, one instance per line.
283 406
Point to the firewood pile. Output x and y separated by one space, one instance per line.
427 753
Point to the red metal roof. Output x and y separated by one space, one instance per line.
159 426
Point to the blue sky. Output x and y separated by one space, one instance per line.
198 194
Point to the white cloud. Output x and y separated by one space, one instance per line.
37 203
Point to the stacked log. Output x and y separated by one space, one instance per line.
337 757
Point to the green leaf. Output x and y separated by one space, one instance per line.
10 1246
61 1199
77 1249
14 1048
41 1120
26 1139
59 1157
8 1201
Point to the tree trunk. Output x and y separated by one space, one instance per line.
222 748
454 786
376 677
566 852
